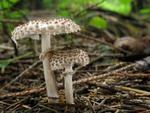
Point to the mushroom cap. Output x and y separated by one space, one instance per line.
63 58
38 27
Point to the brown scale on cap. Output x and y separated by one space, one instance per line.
62 58
45 26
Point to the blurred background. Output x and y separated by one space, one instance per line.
110 18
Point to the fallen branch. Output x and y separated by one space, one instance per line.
103 75
21 74
12 21
133 75
5 47
129 89
26 92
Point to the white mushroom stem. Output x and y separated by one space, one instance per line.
68 85
48 74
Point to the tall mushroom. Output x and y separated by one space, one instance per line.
45 29
66 59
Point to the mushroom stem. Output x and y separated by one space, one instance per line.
68 87
48 74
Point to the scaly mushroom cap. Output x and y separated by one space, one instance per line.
44 26
63 58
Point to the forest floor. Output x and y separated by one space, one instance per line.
119 89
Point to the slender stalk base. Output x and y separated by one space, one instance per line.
51 87
68 88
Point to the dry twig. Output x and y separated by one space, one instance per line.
21 74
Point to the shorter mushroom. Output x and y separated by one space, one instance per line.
65 60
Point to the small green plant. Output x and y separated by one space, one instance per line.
8 11
5 63
98 22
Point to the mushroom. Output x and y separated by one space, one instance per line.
45 29
65 60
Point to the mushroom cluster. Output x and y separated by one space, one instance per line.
65 60
45 29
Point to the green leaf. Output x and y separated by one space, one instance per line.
118 6
67 7
5 63
145 11
64 13
13 1
15 15
47 3
7 4
98 22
